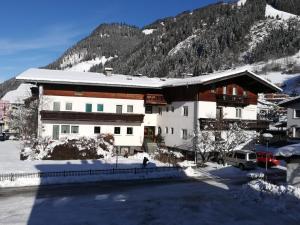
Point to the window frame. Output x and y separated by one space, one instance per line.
96 127
185 111
73 126
119 130
172 130
238 113
147 111
131 130
184 134
166 130
295 114
119 106
69 103
98 107
86 107
67 126
159 110
58 104
128 106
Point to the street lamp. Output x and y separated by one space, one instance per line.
267 137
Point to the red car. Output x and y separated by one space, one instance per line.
263 157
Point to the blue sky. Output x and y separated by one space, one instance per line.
35 32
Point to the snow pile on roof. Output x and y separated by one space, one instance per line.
87 65
271 12
148 31
88 78
288 151
19 95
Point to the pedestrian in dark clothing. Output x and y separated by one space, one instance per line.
145 160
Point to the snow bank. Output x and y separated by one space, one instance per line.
148 31
288 150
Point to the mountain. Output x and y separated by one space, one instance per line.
217 37
261 33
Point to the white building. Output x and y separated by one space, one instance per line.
135 109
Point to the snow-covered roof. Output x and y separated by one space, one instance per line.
286 102
19 95
116 80
288 151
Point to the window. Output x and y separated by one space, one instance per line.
119 109
148 109
234 91
240 156
130 108
297 113
159 111
159 130
238 113
184 134
172 130
117 130
167 130
167 108
97 130
74 129
185 110
213 89
65 129
129 130
224 90
100 107
245 93
172 108
68 106
88 107
56 106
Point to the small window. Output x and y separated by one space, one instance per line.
167 109
148 109
297 113
56 106
88 107
240 156
97 130
172 130
167 130
74 129
65 129
172 108
159 130
159 110
100 107
130 108
245 93
129 130
185 110
119 109
117 130
213 89
238 113
234 91
69 106
184 134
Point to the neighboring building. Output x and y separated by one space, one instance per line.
275 97
135 108
4 105
11 101
293 116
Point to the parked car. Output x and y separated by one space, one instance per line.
2 137
244 159
263 157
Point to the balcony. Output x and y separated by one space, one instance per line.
91 117
223 124
232 100
155 99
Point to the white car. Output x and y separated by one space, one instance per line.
244 159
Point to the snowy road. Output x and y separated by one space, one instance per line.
196 202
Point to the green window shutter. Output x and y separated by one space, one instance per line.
88 107
100 107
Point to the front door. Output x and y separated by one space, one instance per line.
55 132
149 134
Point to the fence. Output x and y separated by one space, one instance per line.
14 176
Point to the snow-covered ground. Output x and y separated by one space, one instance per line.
204 202
87 65
272 12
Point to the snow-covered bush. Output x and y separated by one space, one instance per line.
65 149
166 156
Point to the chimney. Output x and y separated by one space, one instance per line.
108 71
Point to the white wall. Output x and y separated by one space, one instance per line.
78 103
248 113
207 109
87 130
178 121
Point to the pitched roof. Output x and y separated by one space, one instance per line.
290 101
100 79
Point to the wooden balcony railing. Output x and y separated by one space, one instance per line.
232 100
155 99
223 124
